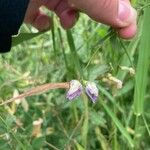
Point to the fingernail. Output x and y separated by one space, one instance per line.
69 18
71 12
124 11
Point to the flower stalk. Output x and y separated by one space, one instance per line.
38 90
74 88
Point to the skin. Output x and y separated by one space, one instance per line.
117 13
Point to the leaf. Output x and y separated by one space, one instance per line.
22 37
97 71
74 56
126 89
141 79
38 142
79 147
102 140
96 118
10 119
119 125
4 145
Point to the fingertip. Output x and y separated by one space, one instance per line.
68 18
42 22
128 32
126 14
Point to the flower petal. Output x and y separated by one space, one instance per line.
75 89
92 91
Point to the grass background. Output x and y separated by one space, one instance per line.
119 120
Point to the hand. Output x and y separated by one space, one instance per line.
41 21
117 13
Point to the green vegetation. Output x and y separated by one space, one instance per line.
120 120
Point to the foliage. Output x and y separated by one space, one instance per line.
120 119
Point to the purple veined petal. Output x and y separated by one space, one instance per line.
75 89
92 91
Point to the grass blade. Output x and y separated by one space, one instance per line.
75 58
142 66
16 40
118 124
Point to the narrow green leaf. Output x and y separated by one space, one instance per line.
97 70
125 61
118 124
102 140
75 58
15 137
142 66
79 147
22 37
110 97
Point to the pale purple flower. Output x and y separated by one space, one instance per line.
75 89
92 91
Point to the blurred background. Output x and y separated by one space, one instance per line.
119 120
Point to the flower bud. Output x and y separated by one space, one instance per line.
37 127
129 69
92 91
75 89
110 80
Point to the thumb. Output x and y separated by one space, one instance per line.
117 13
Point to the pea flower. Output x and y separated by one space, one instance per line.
92 91
75 89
